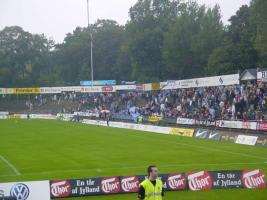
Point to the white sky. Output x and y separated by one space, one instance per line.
55 18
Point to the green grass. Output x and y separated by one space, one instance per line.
44 150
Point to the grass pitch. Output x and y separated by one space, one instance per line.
45 150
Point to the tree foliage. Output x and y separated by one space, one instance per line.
164 39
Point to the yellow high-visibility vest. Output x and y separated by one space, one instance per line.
152 192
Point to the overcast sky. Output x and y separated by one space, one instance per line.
55 18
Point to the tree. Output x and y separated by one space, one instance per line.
24 57
259 18
109 41
237 51
150 19
197 31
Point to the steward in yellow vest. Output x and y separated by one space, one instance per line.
151 188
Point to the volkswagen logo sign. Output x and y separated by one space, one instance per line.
21 191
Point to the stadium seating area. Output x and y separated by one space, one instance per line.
247 101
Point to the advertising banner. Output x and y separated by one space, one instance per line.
26 90
17 116
147 87
195 181
237 124
140 87
262 76
4 113
65 116
199 181
151 86
226 179
215 135
261 141
43 116
249 125
8 90
98 83
111 185
229 124
1 90
246 139
98 89
201 82
71 89
75 188
249 179
207 134
202 133
155 86
154 118
228 136
176 181
186 121
204 122
140 127
182 132
262 126
3 116
125 87
130 184
26 190
252 179
87 114
50 90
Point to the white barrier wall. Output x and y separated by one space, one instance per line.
237 124
201 82
36 190
140 127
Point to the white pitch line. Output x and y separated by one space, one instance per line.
136 167
14 169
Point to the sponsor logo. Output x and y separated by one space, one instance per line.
176 182
27 90
139 87
214 135
253 179
262 126
60 189
21 191
130 184
199 181
264 74
182 132
110 185
261 141
107 89
185 121
201 133
221 80
154 118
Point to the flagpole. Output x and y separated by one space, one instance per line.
91 43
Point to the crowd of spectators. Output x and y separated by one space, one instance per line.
236 102
246 101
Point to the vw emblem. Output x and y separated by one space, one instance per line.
21 191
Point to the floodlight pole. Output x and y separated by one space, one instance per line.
91 43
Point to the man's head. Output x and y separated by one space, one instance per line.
152 171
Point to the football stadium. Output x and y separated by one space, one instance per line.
171 105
